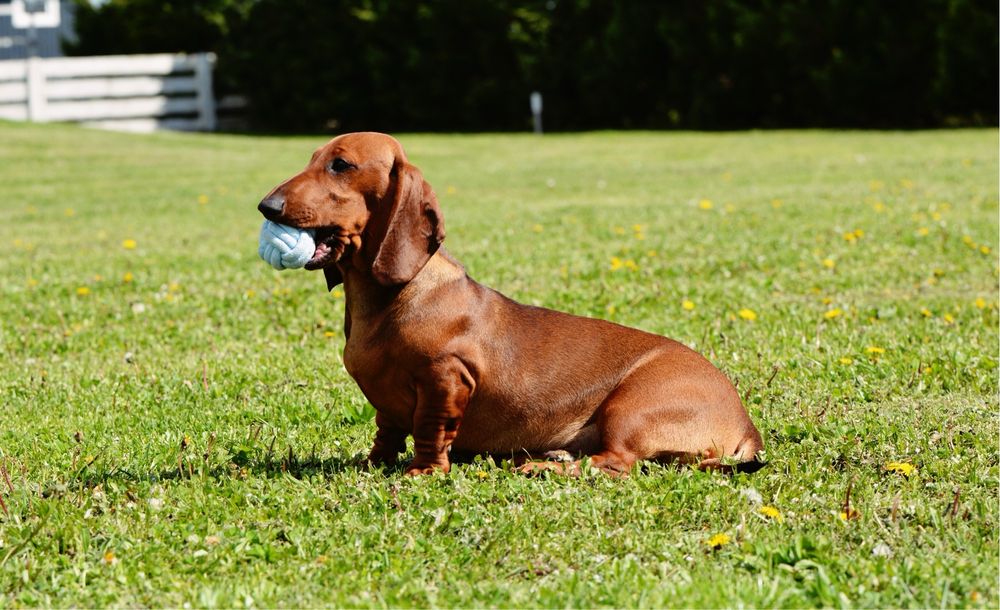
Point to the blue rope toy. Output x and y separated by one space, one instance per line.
285 247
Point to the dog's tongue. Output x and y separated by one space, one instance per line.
322 251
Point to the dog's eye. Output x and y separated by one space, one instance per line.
339 165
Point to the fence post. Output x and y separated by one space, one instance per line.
203 64
536 110
35 80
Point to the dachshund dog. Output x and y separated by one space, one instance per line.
461 367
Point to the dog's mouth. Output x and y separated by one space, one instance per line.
330 247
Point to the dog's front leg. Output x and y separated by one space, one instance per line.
442 396
390 441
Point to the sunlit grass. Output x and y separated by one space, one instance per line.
177 425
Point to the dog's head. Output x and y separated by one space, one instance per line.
363 198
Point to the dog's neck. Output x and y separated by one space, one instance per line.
368 300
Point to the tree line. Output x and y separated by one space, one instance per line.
463 65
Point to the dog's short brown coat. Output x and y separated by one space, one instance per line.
460 366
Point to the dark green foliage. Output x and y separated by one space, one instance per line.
470 64
153 26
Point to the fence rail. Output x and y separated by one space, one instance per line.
129 92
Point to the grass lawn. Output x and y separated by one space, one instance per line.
177 426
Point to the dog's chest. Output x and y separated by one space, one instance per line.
375 366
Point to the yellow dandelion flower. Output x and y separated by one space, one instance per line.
83 291
329 333
481 474
109 558
610 309
948 319
631 265
849 514
826 300
69 212
129 244
337 293
705 204
251 293
850 237
878 206
32 282
537 228
718 541
833 313
967 240
747 314
203 199
687 305
638 228
923 231
902 468
776 203
846 360
936 216
173 287
984 249
829 263
872 349
859 233
451 190
321 559
771 512
640 237
128 277
926 312
980 303
616 263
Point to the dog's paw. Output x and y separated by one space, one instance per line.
534 469
418 469
377 460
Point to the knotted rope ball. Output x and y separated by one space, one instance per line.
285 247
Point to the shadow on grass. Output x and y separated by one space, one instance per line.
270 467
244 465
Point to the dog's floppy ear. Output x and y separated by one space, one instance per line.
415 228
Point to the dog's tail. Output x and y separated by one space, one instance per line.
727 466
748 457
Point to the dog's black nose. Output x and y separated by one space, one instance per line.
271 206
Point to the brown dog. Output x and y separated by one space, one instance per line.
458 365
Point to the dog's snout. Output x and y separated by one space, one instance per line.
271 206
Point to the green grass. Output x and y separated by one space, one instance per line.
190 435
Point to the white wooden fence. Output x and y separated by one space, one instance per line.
127 92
